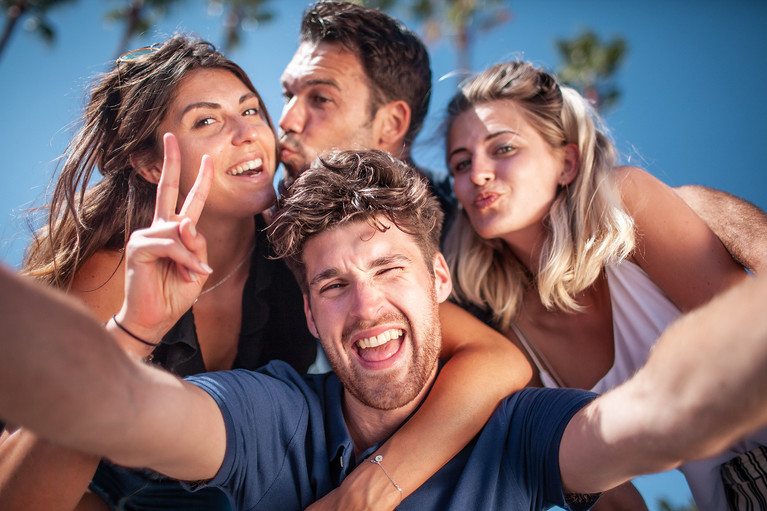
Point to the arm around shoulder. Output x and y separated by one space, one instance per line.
741 225
673 245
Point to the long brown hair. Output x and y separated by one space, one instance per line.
118 132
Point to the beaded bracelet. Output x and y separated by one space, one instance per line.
377 460
139 339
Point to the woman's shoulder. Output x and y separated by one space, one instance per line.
99 282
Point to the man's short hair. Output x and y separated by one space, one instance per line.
354 186
394 59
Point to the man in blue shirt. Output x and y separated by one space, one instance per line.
361 233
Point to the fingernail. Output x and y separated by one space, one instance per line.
206 268
192 229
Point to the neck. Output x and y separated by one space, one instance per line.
526 245
370 426
228 241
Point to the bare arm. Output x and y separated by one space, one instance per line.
98 401
698 393
741 225
483 368
73 385
674 246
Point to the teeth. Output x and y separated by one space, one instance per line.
245 167
372 342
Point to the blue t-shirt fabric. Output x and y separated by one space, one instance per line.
287 446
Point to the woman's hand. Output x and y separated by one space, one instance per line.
166 264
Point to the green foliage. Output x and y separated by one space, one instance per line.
460 20
34 13
589 65
241 16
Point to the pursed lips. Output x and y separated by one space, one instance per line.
485 199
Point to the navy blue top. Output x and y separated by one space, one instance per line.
287 445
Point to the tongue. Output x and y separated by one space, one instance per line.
381 352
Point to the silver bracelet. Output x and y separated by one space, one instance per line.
377 460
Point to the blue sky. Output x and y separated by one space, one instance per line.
691 111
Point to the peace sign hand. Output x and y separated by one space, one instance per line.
166 263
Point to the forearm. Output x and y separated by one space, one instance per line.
739 224
62 365
35 474
701 390
484 367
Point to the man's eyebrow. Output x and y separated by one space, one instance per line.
323 275
310 82
488 137
388 260
378 262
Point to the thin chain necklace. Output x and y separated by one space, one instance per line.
239 265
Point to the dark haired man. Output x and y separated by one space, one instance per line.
275 440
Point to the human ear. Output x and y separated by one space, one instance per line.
147 166
443 284
571 164
390 125
309 317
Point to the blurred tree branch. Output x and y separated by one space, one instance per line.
35 12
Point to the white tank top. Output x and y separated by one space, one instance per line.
641 311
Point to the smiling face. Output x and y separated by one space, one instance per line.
505 174
327 105
373 302
214 113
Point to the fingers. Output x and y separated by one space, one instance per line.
194 242
195 199
169 241
167 188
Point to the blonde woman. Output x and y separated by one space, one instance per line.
582 262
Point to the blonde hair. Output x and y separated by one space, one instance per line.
587 224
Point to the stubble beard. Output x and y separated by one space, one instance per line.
391 391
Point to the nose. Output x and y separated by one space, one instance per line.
245 131
482 170
293 116
368 301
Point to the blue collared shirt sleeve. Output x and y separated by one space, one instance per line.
267 419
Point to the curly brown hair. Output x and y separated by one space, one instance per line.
354 186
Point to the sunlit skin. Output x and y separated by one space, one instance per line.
364 283
505 174
214 113
327 105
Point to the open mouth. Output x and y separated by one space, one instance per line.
250 168
379 347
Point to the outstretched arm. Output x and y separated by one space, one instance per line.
88 395
698 393
740 225
483 367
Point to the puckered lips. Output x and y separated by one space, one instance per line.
485 199
380 348
253 167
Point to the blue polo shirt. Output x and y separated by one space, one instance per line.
287 445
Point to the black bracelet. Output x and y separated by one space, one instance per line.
139 339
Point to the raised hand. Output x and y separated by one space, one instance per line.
166 263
